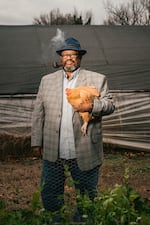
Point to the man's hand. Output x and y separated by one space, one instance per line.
37 152
85 107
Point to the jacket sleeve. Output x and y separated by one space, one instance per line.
37 120
104 105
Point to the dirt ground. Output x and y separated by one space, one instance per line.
19 179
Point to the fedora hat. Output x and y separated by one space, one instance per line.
71 44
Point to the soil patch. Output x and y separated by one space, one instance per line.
19 179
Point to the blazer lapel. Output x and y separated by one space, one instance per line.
59 86
81 79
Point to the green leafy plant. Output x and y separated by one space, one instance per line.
120 205
36 202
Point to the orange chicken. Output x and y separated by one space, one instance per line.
79 95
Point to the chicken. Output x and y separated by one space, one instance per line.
79 95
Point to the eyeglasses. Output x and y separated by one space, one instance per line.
72 56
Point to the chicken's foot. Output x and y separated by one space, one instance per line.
84 128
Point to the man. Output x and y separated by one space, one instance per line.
56 128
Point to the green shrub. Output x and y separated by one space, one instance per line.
120 205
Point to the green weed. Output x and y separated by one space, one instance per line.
120 205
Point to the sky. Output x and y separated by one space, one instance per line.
22 12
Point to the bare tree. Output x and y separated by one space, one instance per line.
146 4
133 12
55 17
88 17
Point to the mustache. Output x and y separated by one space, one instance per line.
57 65
69 61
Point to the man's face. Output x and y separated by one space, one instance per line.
70 60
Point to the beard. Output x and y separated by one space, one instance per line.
71 68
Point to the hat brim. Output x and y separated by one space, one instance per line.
81 51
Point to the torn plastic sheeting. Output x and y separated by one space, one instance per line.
128 126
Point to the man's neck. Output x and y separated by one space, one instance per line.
69 73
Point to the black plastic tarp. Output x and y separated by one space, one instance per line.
120 52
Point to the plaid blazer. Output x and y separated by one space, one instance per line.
47 118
